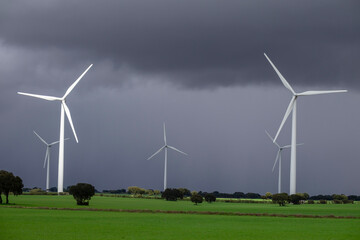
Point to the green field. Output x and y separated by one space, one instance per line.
159 204
65 224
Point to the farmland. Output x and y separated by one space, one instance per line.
17 223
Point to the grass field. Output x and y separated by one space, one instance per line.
159 204
65 224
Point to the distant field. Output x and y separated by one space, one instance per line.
66 224
159 204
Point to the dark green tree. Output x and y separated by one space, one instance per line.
82 192
296 198
196 198
184 192
209 197
9 183
172 194
280 198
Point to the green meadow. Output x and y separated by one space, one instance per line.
22 223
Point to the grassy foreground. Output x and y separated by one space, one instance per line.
53 224
16 223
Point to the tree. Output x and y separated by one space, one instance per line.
82 192
253 195
209 197
306 196
136 190
9 183
156 192
53 189
185 192
172 194
149 192
268 195
280 198
296 198
194 192
239 195
340 197
196 198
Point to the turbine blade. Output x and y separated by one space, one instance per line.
308 93
288 111
46 156
156 153
68 114
286 84
276 159
49 98
53 143
76 82
176 150
40 138
164 134
289 146
272 139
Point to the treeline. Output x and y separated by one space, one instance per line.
236 195
217 194
335 197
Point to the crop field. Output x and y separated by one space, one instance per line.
23 223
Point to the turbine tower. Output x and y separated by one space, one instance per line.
166 146
64 109
292 107
47 158
278 158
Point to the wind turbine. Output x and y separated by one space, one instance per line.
47 157
278 158
166 146
64 108
292 107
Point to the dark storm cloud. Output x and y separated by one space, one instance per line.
197 44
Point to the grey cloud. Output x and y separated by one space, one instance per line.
197 43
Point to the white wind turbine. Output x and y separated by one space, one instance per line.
278 158
292 107
64 108
165 147
47 158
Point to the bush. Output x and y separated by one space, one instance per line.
209 197
82 192
37 191
310 201
348 201
337 201
196 198
280 198
322 201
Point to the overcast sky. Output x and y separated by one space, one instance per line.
199 67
